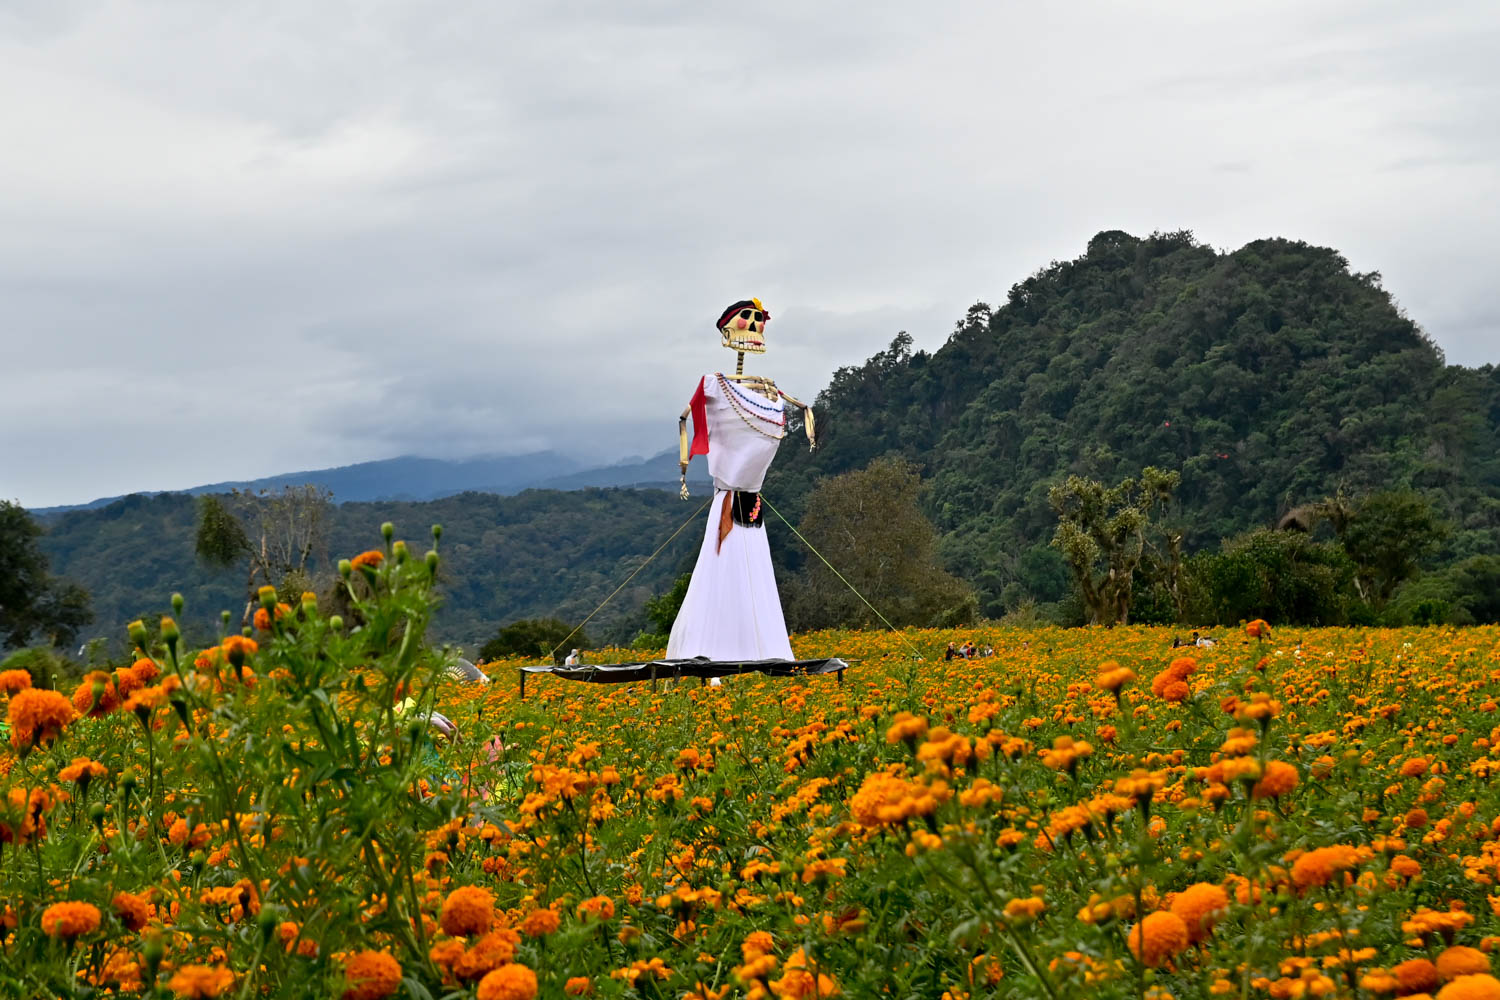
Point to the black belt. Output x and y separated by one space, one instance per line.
746 509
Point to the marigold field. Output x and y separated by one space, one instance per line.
1293 813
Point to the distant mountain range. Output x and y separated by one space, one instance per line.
412 478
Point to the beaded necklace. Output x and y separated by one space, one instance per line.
744 397
744 415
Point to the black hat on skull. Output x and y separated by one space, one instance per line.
758 313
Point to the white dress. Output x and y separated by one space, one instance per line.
732 610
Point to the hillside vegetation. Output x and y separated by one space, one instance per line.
1269 377
536 554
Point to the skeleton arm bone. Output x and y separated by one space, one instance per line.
682 449
807 419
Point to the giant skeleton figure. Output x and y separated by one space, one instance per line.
732 611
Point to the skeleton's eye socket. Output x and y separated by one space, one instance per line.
759 317
744 314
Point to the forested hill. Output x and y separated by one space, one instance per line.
541 553
1268 376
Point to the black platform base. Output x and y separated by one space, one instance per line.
652 670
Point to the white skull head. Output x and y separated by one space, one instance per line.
743 326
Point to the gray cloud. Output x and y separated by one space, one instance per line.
237 239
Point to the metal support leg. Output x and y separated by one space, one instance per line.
523 683
841 678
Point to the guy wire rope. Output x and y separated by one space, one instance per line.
632 576
915 651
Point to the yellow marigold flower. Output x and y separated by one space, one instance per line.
906 727
1238 742
467 910
1260 708
509 982
200 982
1200 906
1158 938
1480 987
69 920
1025 909
371 975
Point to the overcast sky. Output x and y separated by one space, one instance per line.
243 238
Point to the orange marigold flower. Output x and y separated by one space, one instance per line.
1112 676
132 910
1414 767
1480 987
1415 975
200 982
1258 629
539 923
509 982
578 986
12 681
1171 683
372 558
1200 906
82 771
371 975
145 669
1159 937
37 716
1317 867
1461 961
489 952
599 907
69 920
97 695
1278 779
467 910
239 646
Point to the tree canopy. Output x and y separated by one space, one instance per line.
870 522
33 603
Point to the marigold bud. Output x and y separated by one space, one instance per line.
437 532
345 568
387 531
